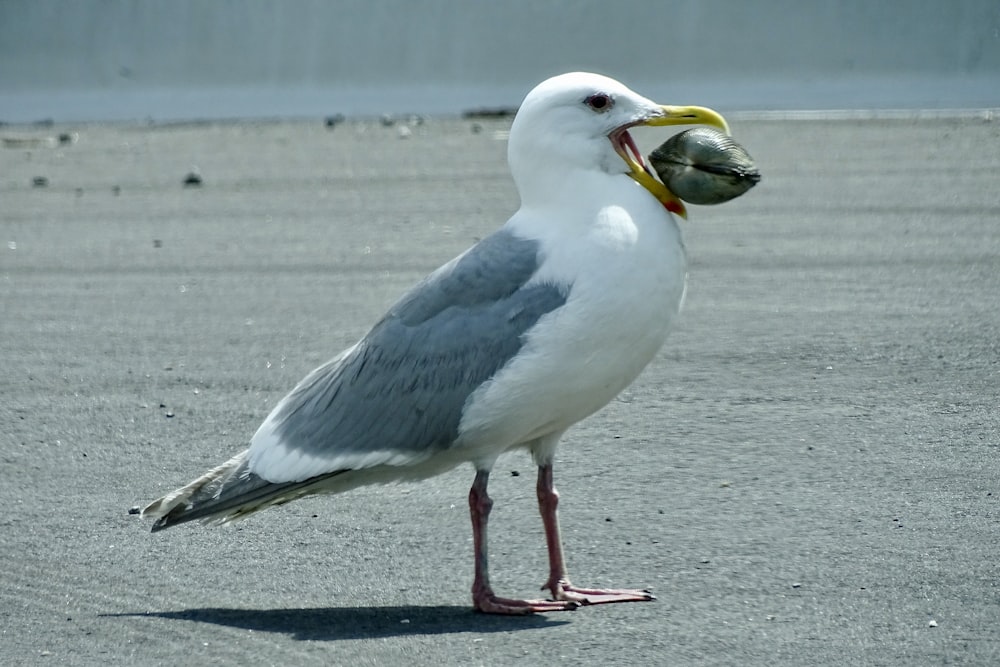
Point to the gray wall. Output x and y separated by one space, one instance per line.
194 58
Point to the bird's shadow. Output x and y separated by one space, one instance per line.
337 623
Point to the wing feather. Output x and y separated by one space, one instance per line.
397 397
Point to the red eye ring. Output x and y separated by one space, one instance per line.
600 102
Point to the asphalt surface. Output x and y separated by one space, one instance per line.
807 474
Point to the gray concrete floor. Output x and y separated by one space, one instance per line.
807 474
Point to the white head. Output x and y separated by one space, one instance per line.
580 121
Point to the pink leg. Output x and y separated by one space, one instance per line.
483 598
558 583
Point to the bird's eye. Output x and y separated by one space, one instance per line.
599 102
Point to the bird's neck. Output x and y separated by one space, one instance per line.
553 187
584 192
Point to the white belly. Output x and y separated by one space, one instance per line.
628 283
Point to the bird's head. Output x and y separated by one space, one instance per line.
582 120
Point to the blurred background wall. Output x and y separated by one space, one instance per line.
190 59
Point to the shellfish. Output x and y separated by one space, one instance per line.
704 166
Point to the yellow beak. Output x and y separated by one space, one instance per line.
671 116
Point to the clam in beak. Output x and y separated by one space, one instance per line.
669 115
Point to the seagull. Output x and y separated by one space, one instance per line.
505 347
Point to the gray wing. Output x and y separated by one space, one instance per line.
399 393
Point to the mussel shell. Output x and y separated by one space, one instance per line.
704 166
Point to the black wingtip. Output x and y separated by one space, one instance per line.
177 516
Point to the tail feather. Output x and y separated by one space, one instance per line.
225 493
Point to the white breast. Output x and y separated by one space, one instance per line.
625 261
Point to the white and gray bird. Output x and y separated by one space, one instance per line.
505 347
